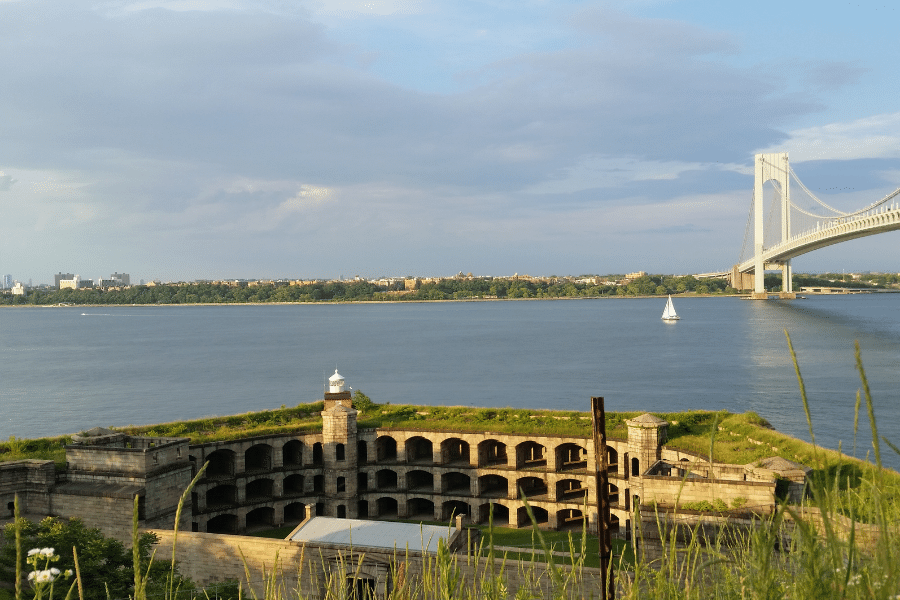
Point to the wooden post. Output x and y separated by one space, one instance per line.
598 421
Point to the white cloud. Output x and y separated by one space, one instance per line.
361 8
877 136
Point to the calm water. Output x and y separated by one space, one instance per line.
62 371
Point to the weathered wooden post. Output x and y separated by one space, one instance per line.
598 420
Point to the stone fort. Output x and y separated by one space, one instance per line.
345 472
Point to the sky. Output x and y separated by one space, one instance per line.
207 139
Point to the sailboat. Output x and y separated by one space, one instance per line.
669 313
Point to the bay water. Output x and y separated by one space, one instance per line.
63 370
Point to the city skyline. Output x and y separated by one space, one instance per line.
203 139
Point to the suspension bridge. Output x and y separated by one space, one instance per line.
794 226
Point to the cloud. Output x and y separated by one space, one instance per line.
872 137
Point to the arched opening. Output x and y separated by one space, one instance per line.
319 484
459 484
491 452
613 524
386 479
531 486
493 486
454 451
258 458
568 490
292 453
341 484
569 519
317 454
541 517
387 508
341 511
362 509
362 482
530 455
261 518
635 467
362 452
500 514
613 495
420 481
320 509
386 449
420 509
221 496
419 450
294 512
452 508
222 524
570 457
221 464
293 485
260 490
339 452
612 460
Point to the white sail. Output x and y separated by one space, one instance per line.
669 313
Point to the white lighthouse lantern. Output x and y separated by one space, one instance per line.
335 383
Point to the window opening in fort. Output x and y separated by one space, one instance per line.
419 450
294 512
541 517
320 509
492 510
613 495
532 486
386 479
361 589
452 508
459 483
339 452
362 482
387 507
493 485
259 518
341 484
491 452
293 484
260 489
362 452
571 456
420 508
319 484
420 481
569 519
317 453
454 450
292 453
221 464
221 495
258 458
570 489
635 467
222 524
612 460
386 449
529 455
341 511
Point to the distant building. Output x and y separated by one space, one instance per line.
75 283
7 282
60 277
18 289
115 280
123 278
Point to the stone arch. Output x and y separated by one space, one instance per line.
221 464
386 479
362 509
387 507
294 512
613 494
292 453
420 508
258 458
500 514
260 490
614 524
455 483
340 452
612 460
420 481
493 486
452 508
454 451
492 452
568 490
570 457
541 517
293 485
261 518
419 450
635 467
531 486
569 519
318 456
221 495
227 523
385 449
530 455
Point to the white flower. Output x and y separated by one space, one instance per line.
32 575
54 571
34 551
44 577
67 573
47 551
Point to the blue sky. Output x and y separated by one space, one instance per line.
217 139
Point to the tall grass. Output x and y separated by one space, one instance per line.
821 549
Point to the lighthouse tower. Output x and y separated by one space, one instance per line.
339 449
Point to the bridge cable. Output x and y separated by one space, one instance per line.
840 213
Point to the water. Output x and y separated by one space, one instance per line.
67 369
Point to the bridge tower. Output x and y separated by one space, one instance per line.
772 166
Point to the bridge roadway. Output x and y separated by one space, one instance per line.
841 230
